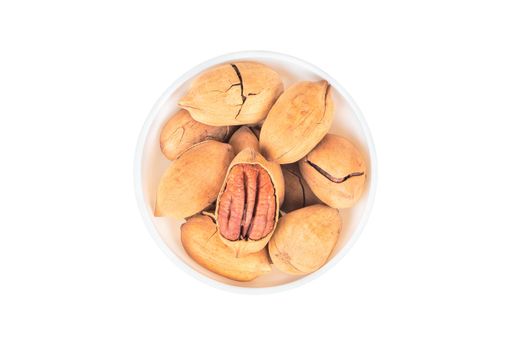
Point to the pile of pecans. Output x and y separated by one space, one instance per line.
255 172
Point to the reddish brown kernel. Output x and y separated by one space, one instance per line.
247 206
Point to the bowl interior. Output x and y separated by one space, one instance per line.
151 163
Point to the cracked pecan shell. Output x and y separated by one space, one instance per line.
182 132
199 238
335 170
193 180
304 239
233 94
249 201
298 120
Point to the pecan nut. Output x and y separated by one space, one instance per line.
304 239
233 94
182 132
183 189
335 170
248 205
198 236
298 120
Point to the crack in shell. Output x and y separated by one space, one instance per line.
332 178
241 84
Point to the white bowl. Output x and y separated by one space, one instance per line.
150 165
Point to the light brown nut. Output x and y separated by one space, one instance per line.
199 238
298 120
248 205
193 180
182 132
335 170
233 94
297 193
244 138
304 239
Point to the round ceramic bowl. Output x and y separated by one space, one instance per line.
150 165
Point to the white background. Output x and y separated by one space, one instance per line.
436 266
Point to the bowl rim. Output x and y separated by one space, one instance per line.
240 55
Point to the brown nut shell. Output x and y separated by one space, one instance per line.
304 239
297 193
244 138
248 204
199 238
298 120
233 94
335 170
182 132
193 180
